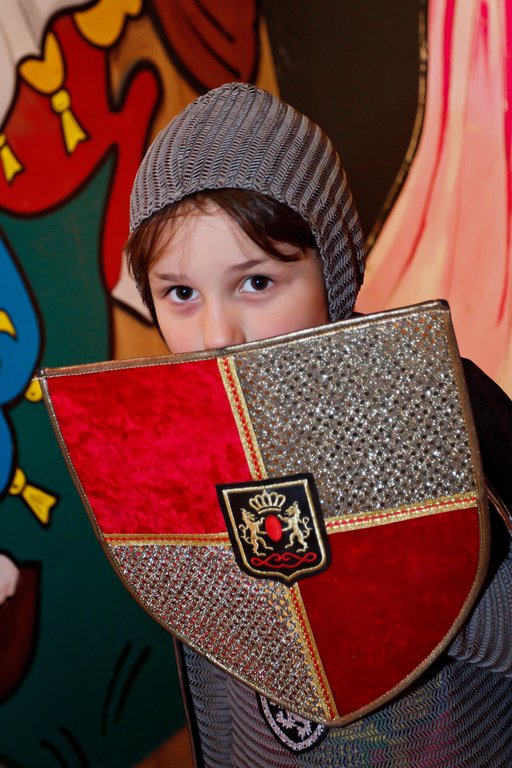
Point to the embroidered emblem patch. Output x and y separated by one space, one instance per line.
276 527
294 732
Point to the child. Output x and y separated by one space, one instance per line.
243 227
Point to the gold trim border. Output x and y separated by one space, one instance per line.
305 639
168 539
379 517
476 461
235 394
437 308
333 525
304 628
229 376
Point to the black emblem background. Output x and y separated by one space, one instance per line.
292 487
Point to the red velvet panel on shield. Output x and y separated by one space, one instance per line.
141 442
212 478
387 599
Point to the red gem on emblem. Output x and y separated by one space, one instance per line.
273 527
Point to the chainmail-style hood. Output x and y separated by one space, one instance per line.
238 136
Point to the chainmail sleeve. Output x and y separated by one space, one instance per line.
486 638
210 717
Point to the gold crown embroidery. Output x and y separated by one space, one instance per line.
274 527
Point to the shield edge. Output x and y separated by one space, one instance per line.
440 307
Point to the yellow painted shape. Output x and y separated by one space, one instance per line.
10 163
103 23
39 502
71 128
45 74
6 324
18 482
34 393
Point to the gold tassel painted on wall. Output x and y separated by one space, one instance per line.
10 163
71 128
47 75
34 393
38 501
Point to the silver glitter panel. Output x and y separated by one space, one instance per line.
244 624
372 410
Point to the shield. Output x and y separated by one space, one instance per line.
349 447
281 535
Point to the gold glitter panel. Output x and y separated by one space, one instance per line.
372 410
247 626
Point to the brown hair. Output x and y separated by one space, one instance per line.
265 221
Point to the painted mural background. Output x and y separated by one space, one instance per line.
448 228
87 679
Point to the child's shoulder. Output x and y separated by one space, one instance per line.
492 412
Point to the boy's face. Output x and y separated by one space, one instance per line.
212 286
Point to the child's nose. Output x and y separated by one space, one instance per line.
221 330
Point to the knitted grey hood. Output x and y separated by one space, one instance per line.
238 136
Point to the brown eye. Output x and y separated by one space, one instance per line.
181 293
256 283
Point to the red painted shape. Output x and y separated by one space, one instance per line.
441 137
273 527
51 176
149 448
388 599
213 42
19 623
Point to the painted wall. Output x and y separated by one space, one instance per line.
448 230
416 97
88 678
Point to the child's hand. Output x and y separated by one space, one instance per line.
9 575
